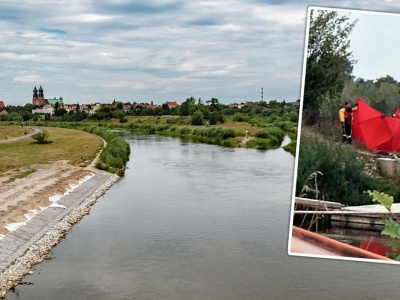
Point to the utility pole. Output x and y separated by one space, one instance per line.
262 94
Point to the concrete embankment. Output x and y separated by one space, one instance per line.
30 244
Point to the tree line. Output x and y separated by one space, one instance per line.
212 111
329 80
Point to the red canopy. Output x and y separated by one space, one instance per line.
374 129
395 115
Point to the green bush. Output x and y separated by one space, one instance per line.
274 134
344 179
238 117
197 118
116 154
263 144
214 117
41 137
291 147
229 142
184 131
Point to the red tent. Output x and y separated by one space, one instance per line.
374 129
397 113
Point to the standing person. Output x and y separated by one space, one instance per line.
341 120
348 122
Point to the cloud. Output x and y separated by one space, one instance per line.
155 50
28 78
50 30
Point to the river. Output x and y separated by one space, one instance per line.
195 221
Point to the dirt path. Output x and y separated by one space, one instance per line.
35 130
244 141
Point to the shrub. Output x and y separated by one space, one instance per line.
214 117
263 144
230 142
344 179
274 134
41 137
115 155
197 118
291 147
238 117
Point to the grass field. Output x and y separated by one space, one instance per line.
239 127
7 132
67 144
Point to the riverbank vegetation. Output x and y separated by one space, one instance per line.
115 155
344 173
258 125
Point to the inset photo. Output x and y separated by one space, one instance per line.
346 191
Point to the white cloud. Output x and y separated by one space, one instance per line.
155 50
28 78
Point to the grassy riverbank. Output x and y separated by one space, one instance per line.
68 141
260 125
345 171
231 133
78 147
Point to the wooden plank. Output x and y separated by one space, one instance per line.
318 203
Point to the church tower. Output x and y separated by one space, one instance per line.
41 97
38 99
35 96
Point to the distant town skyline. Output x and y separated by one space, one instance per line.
156 51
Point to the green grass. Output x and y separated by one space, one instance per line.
229 134
7 132
19 176
68 144
291 147
239 127
344 178
114 156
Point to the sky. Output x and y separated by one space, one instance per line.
375 44
163 50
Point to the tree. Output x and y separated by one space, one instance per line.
60 112
197 118
329 60
14 116
387 79
213 102
184 109
120 105
214 117
191 100
382 94
26 115
119 114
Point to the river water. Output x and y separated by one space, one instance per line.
195 221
